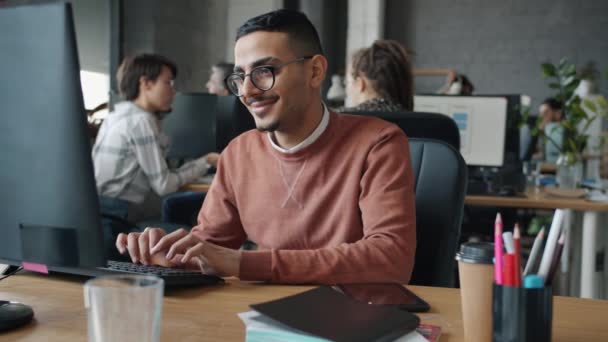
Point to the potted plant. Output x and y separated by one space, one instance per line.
578 115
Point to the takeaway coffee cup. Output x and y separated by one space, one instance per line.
476 272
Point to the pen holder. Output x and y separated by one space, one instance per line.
522 314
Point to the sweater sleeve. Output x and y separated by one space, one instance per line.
218 219
386 251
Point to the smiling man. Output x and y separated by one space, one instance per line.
328 198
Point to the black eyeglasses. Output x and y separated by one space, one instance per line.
262 77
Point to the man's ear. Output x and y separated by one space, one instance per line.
319 70
144 82
361 83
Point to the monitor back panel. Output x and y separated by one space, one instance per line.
191 126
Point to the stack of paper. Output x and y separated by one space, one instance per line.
263 329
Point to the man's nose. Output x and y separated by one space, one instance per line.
248 89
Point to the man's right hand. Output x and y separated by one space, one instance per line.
212 158
139 245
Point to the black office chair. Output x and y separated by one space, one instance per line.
423 125
440 175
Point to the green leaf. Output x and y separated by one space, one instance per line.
578 111
566 81
603 105
566 124
573 146
572 87
566 69
549 70
535 131
590 105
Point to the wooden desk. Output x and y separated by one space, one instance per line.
589 234
196 187
534 200
209 313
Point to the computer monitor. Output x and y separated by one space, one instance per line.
50 214
191 125
482 122
514 119
233 118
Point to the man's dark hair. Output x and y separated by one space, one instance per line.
553 103
387 65
225 68
134 67
303 37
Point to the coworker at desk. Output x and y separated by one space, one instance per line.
380 79
129 152
551 113
215 84
551 133
327 197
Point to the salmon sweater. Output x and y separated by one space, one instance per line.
341 210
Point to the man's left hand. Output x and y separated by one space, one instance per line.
221 260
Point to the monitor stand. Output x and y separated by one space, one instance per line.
13 314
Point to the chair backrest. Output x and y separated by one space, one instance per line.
423 125
440 175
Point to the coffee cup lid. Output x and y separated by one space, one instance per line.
476 253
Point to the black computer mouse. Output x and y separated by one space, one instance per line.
13 314
507 192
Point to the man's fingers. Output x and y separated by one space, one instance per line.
144 248
133 247
180 246
168 240
194 251
155 235
121 243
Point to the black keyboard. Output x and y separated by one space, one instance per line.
171 276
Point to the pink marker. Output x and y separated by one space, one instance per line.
498 250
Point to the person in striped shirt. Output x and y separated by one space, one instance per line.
130 149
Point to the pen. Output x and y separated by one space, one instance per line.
545 263
498 250
533 281
517 261
535 252
508 241
556 257
509 270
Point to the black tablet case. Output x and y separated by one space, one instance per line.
326 313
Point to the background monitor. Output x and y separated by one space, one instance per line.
201 123
191 125
50 212
233 118
513 146
482 122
